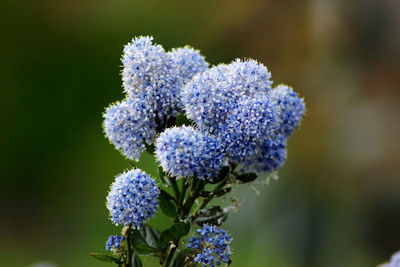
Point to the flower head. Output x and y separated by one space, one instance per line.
151 73
187 62
212 246
185 151
394 260
114 243
292 107
212 95
129 125
271 156
253 122
132 198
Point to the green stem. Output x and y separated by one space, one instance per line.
174 185
171 253
207 200
197 185
185 185
127 232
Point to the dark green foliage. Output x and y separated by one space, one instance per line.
174 233
213 215
166 204
246 177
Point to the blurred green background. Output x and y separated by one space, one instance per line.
337 202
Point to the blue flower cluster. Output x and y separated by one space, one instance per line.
237 104
254 121
271 156
185 152
152 79
114 242
292 108
133 198
215 93
212 246
394 261
151 73
128 126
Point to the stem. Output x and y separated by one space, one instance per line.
171 253
207 200
172 180
197 185
127 232
185 185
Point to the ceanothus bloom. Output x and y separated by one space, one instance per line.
394 261
151 73
254 121
114 243
129 125
271 156
213 94
292 108
185 152
187 62
212 247
133 198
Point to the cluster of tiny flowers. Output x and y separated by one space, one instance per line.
114 242
133 198
394 261
212 246
248 127
151 73
292 108
129 125
271 157
237 104
152 79
185 152
215 93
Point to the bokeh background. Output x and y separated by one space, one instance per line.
337 202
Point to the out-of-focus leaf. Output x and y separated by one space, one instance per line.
246 177
213 215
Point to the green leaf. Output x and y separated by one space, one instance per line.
223 172
144 249
174 233
213 215
183 120
144 241
105 258
181 257
166 205
136 262
163 177
246 177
